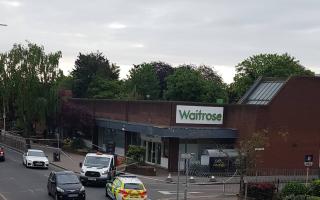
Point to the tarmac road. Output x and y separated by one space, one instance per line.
18 182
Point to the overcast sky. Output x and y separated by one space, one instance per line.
219 33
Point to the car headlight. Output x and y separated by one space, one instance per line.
105 172
82 189
29 161
59 189
82 171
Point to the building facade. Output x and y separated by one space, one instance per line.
287 110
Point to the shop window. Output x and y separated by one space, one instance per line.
165 153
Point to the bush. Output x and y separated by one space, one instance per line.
294 188
315 188
261 191
137 153
77 143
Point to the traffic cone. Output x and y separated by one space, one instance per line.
192 180
169 178
212 179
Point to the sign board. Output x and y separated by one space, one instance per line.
186 156
199 115
259 149
308 160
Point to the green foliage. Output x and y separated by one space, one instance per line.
28 85
163 70
294 188
315 188
77 143
267 65
261 191
89 67
101 88
143 82
137 153
189 83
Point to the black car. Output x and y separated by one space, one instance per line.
2 158
65 185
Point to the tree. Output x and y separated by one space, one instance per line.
143 81
215 87
247 153
87 68
267 65
189 83
163 70
185 84
28 89
100 88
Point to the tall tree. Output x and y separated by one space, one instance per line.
191 83
28 77
267 65
185 84
143 81
87 68
163 70
216 88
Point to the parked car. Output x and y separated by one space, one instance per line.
97 168
35 158
2 157
126 188
65 185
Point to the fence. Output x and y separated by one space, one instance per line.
13 140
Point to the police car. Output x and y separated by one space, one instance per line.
126 188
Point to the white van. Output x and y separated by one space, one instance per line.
97 168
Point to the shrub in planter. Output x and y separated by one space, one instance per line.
137 153
77 143
294 188
315 188
261 191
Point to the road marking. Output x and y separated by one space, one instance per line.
174 192
3 197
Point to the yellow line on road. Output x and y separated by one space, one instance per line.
3 197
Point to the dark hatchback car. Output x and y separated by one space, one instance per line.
65 185
2 158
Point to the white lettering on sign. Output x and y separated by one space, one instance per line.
199 115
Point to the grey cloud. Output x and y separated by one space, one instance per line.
209 32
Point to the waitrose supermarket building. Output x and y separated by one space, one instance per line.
288 110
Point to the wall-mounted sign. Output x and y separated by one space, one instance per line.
199 115
308 160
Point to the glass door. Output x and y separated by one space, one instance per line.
153 152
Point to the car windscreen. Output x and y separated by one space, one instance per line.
36 153
95 161
133 186
67 179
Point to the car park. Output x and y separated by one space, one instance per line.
126 188
65 185
97 168
35 158
2 156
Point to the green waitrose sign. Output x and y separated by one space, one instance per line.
199 115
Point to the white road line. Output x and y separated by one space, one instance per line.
3 197
174 192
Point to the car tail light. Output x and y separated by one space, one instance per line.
125 193
142 194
